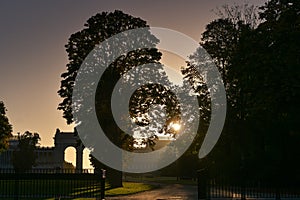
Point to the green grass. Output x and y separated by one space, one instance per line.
129 188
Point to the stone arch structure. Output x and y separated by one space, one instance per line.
63 140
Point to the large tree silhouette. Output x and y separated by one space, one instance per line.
97 29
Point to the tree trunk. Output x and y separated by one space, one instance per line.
114 178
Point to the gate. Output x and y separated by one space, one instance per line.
217 188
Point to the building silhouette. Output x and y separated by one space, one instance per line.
48 157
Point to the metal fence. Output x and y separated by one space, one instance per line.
218 188
51 184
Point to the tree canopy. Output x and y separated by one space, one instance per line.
97 29
5 128
260 66
24 157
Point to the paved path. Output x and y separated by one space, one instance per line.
165 192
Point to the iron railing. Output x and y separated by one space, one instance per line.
218 188
46 183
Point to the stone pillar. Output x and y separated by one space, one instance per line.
59 156
79 158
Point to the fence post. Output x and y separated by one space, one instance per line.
16 186
203 185
103 176
277 190
242 181
277 195
243 189
56 189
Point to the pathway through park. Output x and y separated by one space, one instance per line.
164 192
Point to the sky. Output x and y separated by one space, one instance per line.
32 53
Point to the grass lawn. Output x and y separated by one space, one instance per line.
129 188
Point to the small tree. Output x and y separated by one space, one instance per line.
24 156
5 128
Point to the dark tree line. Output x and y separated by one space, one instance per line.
24 156
260 68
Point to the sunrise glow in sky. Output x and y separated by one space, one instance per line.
32 53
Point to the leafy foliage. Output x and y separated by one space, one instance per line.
24 156
5 128
97 29
261 69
